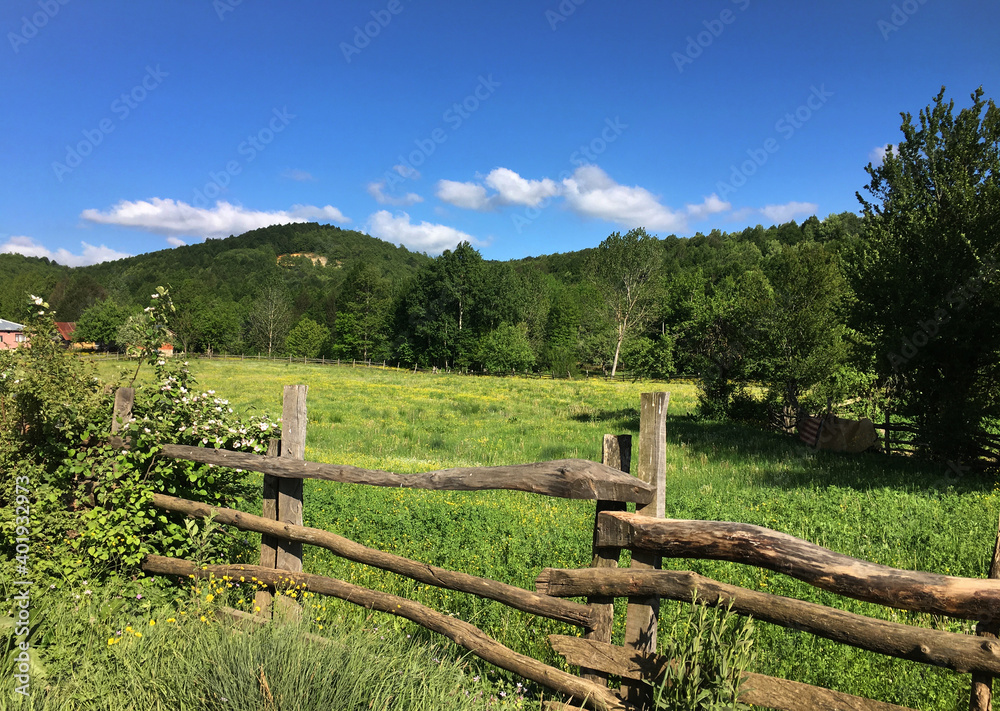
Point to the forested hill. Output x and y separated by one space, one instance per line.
232 269
306 289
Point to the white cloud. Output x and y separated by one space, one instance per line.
376 190
877 154
788 211
590 192
425 237
711 205
511 189
90 255
175 242
303 176
471 196
176 218
406 171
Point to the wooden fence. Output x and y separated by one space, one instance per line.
645 533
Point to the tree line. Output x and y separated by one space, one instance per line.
894 309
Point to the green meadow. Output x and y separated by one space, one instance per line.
891 510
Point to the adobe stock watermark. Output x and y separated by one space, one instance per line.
22 599
697 44
586 154
30 26
454 117
224 7
562 12
122 107
364 34
253 146
929 329
900 15
785 127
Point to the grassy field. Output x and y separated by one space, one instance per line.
894 511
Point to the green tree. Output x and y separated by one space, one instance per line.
506 349
622 269
269 319
102 323
928 300
306 339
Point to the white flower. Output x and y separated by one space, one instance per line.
37 300
154 296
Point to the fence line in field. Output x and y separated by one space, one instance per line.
646 534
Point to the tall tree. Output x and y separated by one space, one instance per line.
622 269
929 302
269 319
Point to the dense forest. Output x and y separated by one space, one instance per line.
897 307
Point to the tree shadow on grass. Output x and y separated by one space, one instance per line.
789 464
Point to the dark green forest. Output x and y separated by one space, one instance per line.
897 307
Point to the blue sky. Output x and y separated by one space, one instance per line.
525 127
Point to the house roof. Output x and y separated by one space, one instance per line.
10 326
66 329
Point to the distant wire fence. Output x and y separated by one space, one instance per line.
541 374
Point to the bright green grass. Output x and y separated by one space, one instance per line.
894 511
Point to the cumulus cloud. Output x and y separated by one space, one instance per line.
89 255
510 189
425 237
302 176
788 211
175 242
377 191
174 218
471 196
709 206
590 192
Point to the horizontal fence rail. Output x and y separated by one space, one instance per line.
960 652
562 478
966 598
554 608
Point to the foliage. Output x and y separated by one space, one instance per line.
710 650
268 320
506 349
306 339
622 269
91 500
928 297
102 323
649 358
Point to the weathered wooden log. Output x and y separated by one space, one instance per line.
563 478
643 612
757 689
967 598
458 631
268 544
962 653
563 610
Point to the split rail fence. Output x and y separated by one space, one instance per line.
645 533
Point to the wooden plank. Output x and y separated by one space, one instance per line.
643 611
462 633
757 689
967 598
120 414
617 454
981 694
563 478
268 544
554 608
960 652
293 446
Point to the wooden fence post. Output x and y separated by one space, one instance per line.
268 544
641 618
293 446
616 452
981 697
